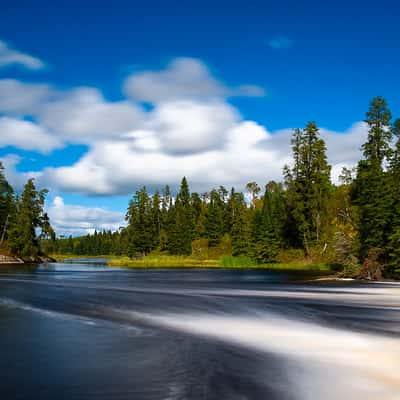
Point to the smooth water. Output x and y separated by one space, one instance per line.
85 331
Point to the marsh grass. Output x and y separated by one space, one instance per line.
168 261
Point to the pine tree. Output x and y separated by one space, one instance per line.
394 179
371 192
181 222
140 224
241 229
268 225
197 211
23 240
156 216
214 219
7 205
308 185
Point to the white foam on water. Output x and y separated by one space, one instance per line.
328 363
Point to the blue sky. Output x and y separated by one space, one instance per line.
182 88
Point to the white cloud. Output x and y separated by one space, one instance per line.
26 135
184 78
83 115
10 56
191 130
78 220
22 98
115 167
187 127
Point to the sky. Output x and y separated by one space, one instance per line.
99 98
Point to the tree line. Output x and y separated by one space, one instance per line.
355 221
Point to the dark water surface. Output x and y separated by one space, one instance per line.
85 331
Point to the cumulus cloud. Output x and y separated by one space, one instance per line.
26 135
184 78
83 115
114 167
10 56
22 98
190 130
78 220
249 153
187 127
280 42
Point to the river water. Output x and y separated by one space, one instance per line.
86 331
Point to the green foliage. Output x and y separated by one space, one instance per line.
214 219
29 216
181 222
98 244
143 224
241 229
371 191
394 254
308 187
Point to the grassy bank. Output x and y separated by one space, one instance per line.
63 257
167 261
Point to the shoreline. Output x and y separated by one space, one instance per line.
14 260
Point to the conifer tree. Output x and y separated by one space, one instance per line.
308 185
29 216
267 225
182 228
394 180
7 205
371 187
140 224
214 218
241 229
197 210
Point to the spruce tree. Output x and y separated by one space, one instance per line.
308 185
182 224
140 224
23 240
214 223
241 227
394 181
371 189
7 205
267 225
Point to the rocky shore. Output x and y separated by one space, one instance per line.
6 259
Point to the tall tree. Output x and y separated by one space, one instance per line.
394 179
140 224
371 187
241 226
182 224
7 205
268 225
308 185
29 216
214 218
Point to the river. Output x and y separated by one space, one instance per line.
81 330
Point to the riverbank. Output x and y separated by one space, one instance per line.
166 261
63 257
13 260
